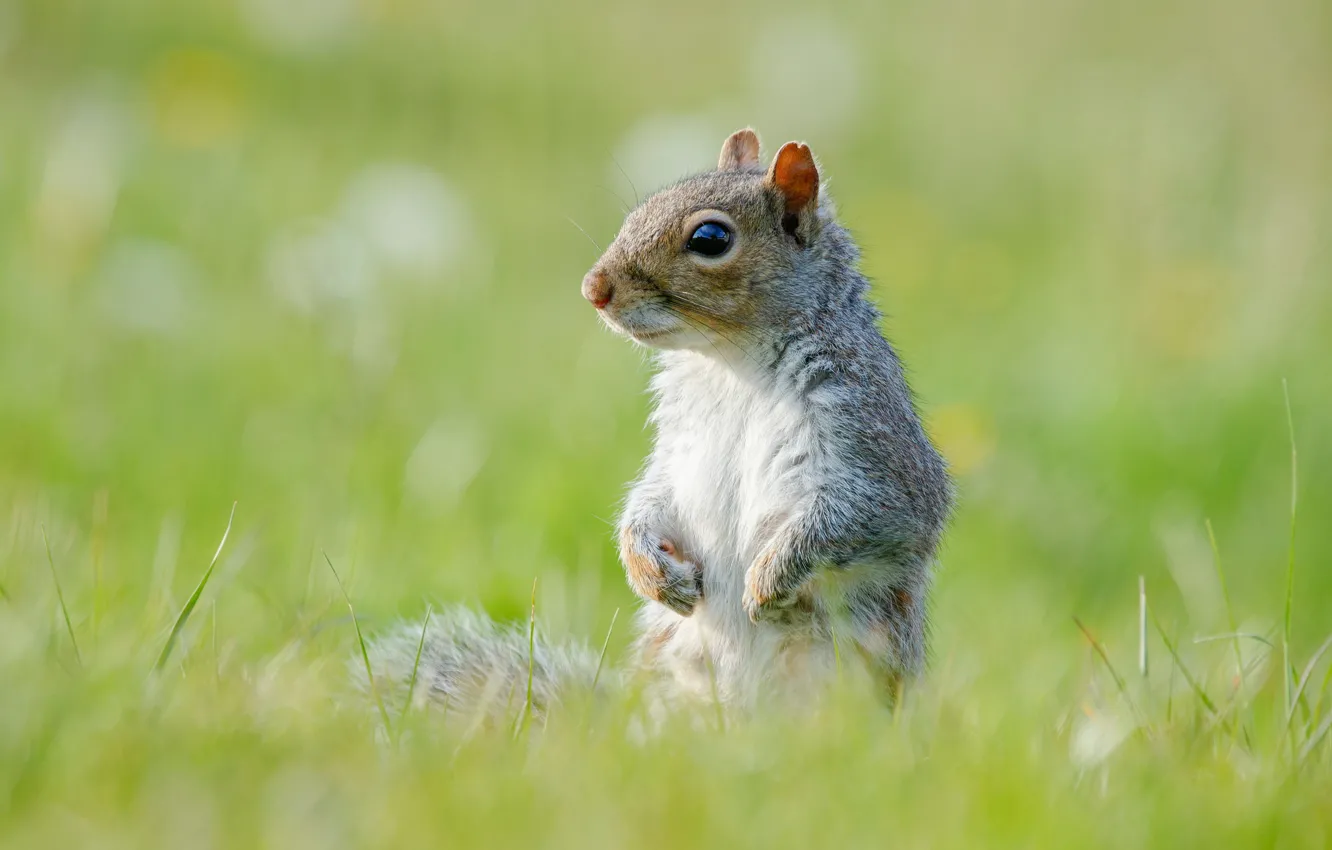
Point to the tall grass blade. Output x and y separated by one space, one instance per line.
1142 626
188 609
531 665
1184 671
1225 598
1322 691
1170 693
1290 551
60 596
360 641
1235 636
1105 658
1314 739
1304 680
605 645
416 663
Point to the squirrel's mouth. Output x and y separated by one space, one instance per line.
646 335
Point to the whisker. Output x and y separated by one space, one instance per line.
616 195
626 177
585 233
702 326
704 312
698 306
702 329
737 343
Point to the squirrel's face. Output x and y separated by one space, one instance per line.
696 264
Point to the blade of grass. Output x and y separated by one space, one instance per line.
1304 679
185 612
1290 551
1314 739
531 665
1302 707
416 662
1170 692
1235 636
1322 691
1142 626
605 645
360 641
1184 671
1114 674
60 596
1235 701
596 677
1225 598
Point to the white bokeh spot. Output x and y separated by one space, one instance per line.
805 74
301 26
445 461
661 149
147 287
413 221
321 263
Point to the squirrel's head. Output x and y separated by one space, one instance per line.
720 256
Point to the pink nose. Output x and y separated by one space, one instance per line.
597 289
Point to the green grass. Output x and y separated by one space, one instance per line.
190 603
325 271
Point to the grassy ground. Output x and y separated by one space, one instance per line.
317 259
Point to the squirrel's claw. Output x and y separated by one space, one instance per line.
753 608
758 609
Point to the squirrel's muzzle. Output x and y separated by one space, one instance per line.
597 288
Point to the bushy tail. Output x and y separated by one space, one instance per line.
471 664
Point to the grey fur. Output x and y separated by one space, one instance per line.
473 665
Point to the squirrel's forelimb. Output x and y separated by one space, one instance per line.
657 572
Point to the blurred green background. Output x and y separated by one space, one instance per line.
321 258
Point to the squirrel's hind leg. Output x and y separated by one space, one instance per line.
888 630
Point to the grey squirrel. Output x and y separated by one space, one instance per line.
792 503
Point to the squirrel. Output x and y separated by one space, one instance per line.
792 503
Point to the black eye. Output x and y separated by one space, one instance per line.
711 240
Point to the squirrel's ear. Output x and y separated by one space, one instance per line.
796 176
741 150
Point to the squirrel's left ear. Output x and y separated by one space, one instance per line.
794 174
739 151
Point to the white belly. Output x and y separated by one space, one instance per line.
725 456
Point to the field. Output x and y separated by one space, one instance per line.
319 260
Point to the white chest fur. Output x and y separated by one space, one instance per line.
727 446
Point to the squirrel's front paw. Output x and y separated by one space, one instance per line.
761 609
656 571
763 600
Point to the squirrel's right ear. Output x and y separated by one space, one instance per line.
794 174
741 150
